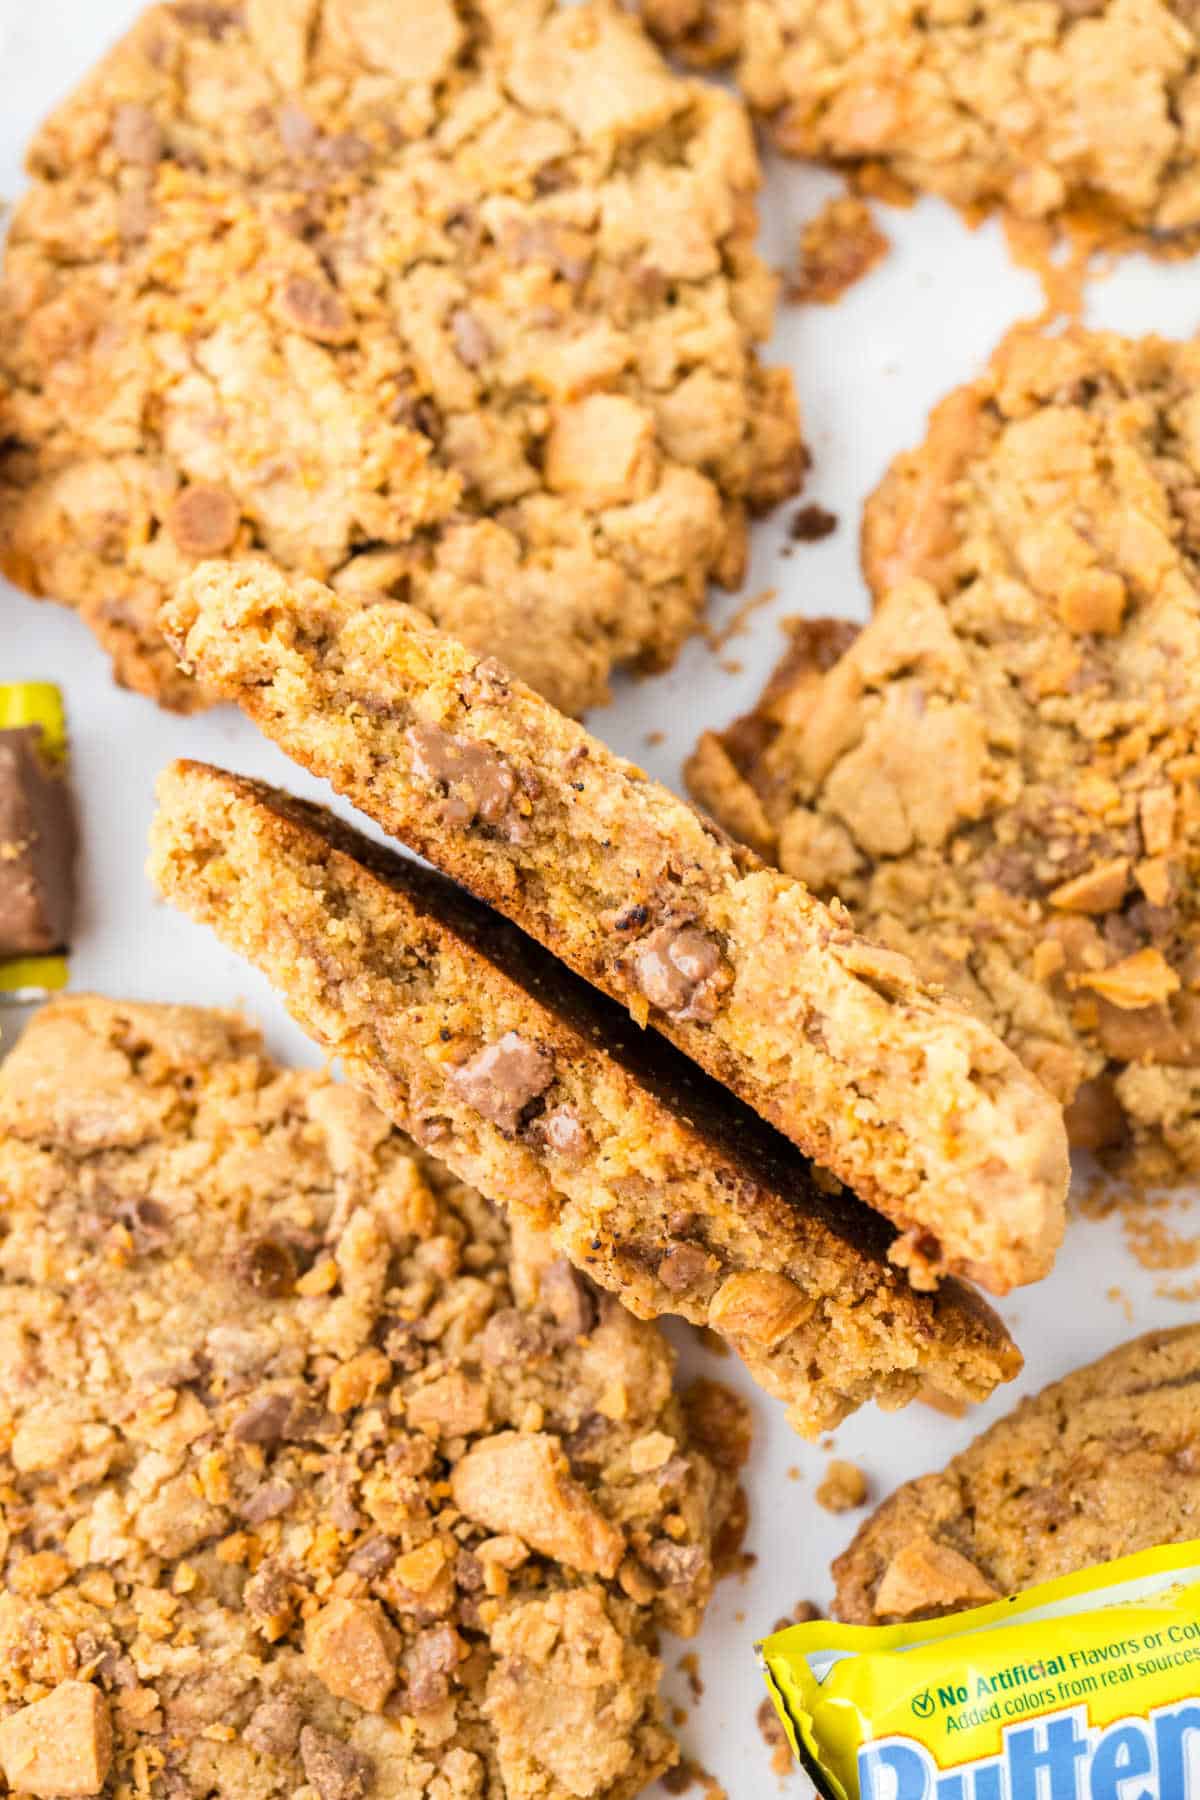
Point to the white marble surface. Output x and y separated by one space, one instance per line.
868 371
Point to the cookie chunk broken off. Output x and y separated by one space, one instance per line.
1067 108
453 304
253 1346
650 1177
906 1098
1000 777
1099 1465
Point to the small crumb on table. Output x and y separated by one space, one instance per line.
803 1613
843 1488
686 1774
689 1665
840 245
810 524
736 624
1120 1298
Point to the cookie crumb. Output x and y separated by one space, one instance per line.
844 1487
689 1665
1156 1245
686 1774
654 738
1153 1242
838 246
1185 1292
1120 1298
811 524
735 625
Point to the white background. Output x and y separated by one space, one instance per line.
867 370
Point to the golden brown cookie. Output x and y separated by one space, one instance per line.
651 1178
315 1478
1051 109
453 304
1000 776
1099 1465
904 1097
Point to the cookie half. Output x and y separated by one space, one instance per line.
453 304
1070 110
1096 1466
653 1180
999 776
316 1476
909 1100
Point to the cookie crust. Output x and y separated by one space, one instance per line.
459 307
314 1472
651 1178
1096 1466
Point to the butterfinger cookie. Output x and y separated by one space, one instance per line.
1000 776
1099 1465
454 304
525 1081
315 1479
1052 110
907 1099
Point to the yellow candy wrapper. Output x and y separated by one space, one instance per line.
1084 1688
37 703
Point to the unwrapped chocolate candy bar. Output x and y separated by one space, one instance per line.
37 841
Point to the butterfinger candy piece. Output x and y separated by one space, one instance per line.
651 1178
908 1099
59 1746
